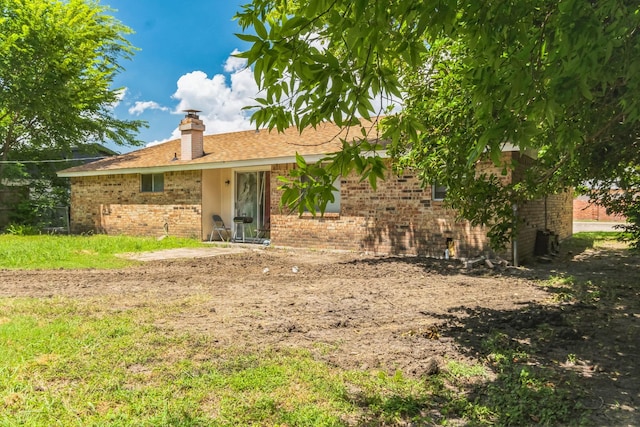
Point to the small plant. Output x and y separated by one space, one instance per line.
563 297
558 281
22 230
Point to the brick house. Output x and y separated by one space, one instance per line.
177 186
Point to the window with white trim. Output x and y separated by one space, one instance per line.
152 182
438 191
332 207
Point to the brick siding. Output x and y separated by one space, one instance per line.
114 204
584 210
398 218
555 214
401 218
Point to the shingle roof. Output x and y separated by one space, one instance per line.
226 150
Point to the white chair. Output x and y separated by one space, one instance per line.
219 228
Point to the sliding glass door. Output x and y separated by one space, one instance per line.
252 197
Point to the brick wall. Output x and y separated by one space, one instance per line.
114 204
584 210
401 218
398 218
553 213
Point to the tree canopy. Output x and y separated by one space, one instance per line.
58 60
556 78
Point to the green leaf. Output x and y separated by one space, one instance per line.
261 30
301 162
247 37
584 90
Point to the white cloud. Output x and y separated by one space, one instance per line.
233 64
121 93
141 106
220 100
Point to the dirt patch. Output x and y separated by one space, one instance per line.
182 253
362 312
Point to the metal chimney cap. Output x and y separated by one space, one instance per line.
192 113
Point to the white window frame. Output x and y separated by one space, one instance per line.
333 207
157 186
434 191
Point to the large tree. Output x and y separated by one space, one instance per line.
58 60
556 78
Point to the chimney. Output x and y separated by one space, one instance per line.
192 131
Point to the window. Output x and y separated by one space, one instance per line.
332 207
438 191
152 183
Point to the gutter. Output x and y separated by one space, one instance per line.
190 166
201 166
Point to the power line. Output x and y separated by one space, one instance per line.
52 160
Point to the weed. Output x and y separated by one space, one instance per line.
572 358
561 297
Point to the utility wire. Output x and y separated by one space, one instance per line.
52 160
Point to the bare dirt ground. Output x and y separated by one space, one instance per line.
363 312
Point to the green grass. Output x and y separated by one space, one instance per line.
67 362
70 363
594 240
525 393
95 251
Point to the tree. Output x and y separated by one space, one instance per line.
58 60
560 79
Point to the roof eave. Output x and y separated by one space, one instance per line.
191 166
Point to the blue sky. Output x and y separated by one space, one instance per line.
184 61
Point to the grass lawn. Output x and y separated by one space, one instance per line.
95 251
